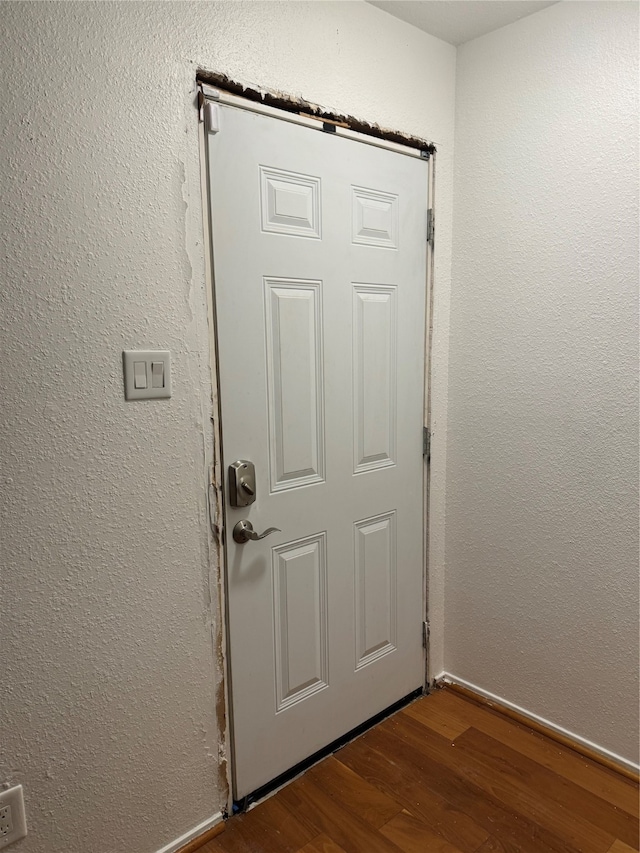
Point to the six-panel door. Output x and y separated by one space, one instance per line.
320 268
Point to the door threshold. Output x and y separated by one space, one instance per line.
243 804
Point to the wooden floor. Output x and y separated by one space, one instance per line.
445 775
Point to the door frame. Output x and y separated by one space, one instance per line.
282 107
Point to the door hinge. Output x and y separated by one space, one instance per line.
431 226
425 635
426 443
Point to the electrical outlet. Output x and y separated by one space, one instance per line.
6 824
13 823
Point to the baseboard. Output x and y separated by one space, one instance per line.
196 837
576 742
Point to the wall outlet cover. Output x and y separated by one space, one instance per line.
13 822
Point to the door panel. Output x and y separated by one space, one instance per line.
374 376
319 267
290 203
375 588
375 218
300 619
295 385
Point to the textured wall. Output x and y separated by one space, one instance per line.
108 586
542 471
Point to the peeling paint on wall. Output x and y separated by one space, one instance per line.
289 103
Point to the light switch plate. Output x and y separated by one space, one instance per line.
138 366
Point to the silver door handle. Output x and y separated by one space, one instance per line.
243 532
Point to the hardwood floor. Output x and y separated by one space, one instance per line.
450 776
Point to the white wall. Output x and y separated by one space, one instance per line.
542 454
110 674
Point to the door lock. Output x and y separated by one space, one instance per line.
242 483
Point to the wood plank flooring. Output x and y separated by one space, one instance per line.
450 776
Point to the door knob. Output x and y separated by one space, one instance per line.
244 532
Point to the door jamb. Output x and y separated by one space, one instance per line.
215 496
215 491
428 352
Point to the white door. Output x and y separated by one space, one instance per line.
319 255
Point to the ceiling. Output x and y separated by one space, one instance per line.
457 21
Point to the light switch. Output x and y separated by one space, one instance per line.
139 374
147 374
157 374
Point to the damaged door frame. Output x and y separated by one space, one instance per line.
215 89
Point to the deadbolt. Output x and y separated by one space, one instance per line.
242 483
